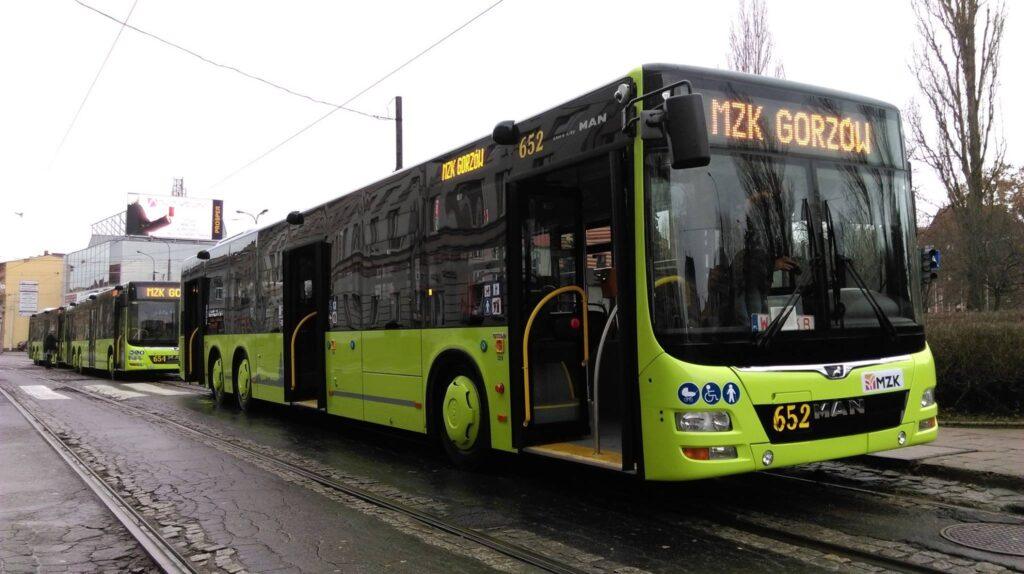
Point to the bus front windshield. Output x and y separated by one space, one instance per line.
733 244
153 323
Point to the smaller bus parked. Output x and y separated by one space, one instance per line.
44 330
129 328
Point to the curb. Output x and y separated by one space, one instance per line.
982 424
917 467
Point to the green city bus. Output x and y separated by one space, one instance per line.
684 273
40 325
126 329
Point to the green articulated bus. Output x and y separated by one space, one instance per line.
685 273
47 323
127 329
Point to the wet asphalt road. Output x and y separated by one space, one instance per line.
587 517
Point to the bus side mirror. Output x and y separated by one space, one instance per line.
687 131
203 255
295 218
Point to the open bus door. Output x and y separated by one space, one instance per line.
306 286
550 311
193 327
568 249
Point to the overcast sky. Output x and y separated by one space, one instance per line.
156 113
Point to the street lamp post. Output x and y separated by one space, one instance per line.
255 217
151 259
168 277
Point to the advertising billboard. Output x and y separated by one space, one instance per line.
171 217
28 298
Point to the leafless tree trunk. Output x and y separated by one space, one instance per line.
751 45
957 70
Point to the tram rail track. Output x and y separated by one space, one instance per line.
1008 517
528 556
514 551
163 552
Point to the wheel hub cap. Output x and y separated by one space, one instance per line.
461 412
218 376
243 379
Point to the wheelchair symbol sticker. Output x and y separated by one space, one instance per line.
711 393
688 393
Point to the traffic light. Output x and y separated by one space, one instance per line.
931 258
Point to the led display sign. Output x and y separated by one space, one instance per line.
815 126
160 293
465 163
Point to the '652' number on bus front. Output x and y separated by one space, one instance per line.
531 143
791 417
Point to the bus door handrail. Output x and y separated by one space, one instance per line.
527 413
295 334
191 338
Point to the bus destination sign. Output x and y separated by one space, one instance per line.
465 163
155 292
765 123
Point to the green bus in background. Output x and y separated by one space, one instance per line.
43 326
127 329
684 273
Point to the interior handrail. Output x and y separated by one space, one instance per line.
295 334
190 353
527 412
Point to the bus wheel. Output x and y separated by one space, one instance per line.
217 381
111 367
461 418
243 385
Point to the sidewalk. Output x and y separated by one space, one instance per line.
988 454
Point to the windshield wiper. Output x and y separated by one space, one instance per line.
764 338
847 265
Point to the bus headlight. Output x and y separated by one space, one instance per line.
703 421
928 397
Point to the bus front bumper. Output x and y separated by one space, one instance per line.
768 456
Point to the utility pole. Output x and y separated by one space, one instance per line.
398 133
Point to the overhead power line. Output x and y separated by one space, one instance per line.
194 54
376 83
103 64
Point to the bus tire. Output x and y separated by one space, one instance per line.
461 416
243 385
217 390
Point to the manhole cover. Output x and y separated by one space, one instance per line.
988 536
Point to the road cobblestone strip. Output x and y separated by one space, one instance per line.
119 473
940 489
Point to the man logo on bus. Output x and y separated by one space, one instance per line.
835 371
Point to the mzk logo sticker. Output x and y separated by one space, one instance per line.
881 381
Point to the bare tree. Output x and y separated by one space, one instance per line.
751 45
957 71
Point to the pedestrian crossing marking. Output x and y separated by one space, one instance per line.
114 392
156 390
42 392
